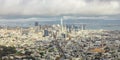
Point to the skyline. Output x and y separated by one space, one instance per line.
59 29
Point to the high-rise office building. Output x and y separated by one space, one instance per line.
83 27
46 33
36 23
63 35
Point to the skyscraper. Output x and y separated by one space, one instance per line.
36 23
46 33
61 24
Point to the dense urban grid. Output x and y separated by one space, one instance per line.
56 42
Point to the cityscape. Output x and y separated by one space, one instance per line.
59 29
59 42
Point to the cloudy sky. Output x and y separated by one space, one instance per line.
82 9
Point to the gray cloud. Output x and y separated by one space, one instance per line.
59 7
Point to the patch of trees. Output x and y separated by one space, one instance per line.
4 51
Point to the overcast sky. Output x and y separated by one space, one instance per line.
49 8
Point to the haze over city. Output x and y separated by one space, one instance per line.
59 29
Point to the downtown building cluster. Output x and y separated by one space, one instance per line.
60 42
